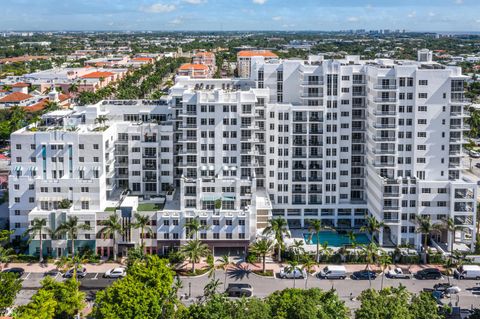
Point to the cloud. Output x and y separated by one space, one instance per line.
176 21
158 8
459 1
432 14
277 18
412 14
195 1
353 19
259 1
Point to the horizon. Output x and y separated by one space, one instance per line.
243 15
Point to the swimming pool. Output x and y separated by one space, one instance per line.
336 240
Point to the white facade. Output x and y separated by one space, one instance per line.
317 139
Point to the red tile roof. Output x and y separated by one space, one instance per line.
97 75
36 107
15 97
20 85
64 97
207 54
143 59
189 66
264 53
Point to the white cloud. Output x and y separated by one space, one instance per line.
353 19
432 14
277 18
195 1
412 14
259 1
158 8
176 21
459 1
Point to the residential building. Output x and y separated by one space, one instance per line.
245 57
196 71
335 140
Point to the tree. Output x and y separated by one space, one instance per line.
306 304
224 264
263 248
292 266
112 227
371 254
142 222
6 255
10 285
193 227
385 261
277 227
426 227
51 106
297 248
146 292
211 288
36 228
194 250
326 251
73 88
314 228
372 226
42 306
70 228
308 265
396 303
449 225
101 119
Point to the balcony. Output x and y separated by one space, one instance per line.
187 126
385 125
384 164
384 113
315 179
315 191
311 83
299 179
149 155
150 179
384 87
359 82
316 131
385 100
384 151
384 138
315 119
299 142
299 191
300 119
299 155
301 167
149 167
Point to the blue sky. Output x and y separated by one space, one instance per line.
412 15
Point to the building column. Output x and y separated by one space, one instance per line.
380 237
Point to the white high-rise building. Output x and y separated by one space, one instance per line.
335 140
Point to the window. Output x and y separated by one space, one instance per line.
423 82
422 95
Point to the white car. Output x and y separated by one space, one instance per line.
287 272
397 273
453 290
116 273
474 154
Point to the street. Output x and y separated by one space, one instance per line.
347 289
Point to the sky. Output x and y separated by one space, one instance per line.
226 15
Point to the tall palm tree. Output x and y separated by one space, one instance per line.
385 261
263 248
277 227
371 254
327 252
292 266
211 288
112 226
193 227
194 250
51 106
297 248
36 228
73 88
6 254
101 119
314 229
426 227
70 228
142 222
372 227
449 226
308 266
224 264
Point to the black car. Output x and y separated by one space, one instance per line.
364 275
429 273
17 270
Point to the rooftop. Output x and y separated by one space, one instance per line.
15 97
189 66
97 75
264 53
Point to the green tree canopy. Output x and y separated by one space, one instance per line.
10 285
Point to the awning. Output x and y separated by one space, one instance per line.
228 198
18 168
233 168
210 198
225 168
211 168
203 168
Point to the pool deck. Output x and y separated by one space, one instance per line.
298 234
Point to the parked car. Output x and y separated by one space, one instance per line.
16 270
364 275
81 273
477 165
474 154
288 272
429 273
118 272
445 288
397 273
467 272
239 290
333 272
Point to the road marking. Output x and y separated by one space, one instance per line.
28 275
96 275
56 276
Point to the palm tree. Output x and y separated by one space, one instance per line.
73 88
372 226
35 229
51 106
211 288
353 239
35 119
142 222
292 266
262 248
224 264
101 119
70 228
371 254
278 228
112 227
297 248
193 227
308 266
6 87
314 228
6 254
449 225
327 252
385 261
426 227
194 250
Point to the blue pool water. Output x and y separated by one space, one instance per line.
336 240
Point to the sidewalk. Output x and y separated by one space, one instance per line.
42 268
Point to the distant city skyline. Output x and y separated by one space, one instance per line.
222 15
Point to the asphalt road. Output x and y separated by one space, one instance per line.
347 289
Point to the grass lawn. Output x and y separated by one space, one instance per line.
149 207
110 209
189 272
267 273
